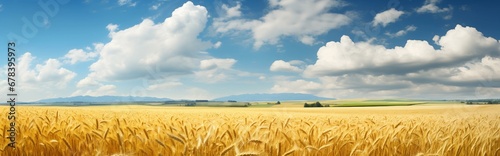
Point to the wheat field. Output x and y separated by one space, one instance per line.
156 130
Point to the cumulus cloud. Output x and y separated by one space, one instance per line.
301 19
282 66
403 32
386 17
162 55
231 12
79 55
435 39
149 50
482 72
474 79
465 65
217 63
40 80
458 46
215 70
430 6
308 40
87 82
49 73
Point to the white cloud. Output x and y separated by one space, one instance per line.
231 12
308 40
464 66
436 39
217 63
112 28
1 7
39 81
484 71
215 70
155 6
79 55
217 44
87 82
47 74
301 19
161 55
458 46
431 7
282 66
127 2
379 87
386 17
149 50
409 28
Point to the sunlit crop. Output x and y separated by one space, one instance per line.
156 130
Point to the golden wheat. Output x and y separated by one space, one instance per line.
415 130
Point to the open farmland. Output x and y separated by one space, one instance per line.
159 130
372 103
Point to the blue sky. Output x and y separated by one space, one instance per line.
206 49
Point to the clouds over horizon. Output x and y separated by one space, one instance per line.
159 54
39 80
458 46
465 58
298 46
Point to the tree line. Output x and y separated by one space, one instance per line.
317 104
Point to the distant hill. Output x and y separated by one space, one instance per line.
105 99
272 97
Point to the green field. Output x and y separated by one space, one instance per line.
366 103
373 103
222 104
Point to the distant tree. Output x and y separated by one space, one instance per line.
317 104
278 102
